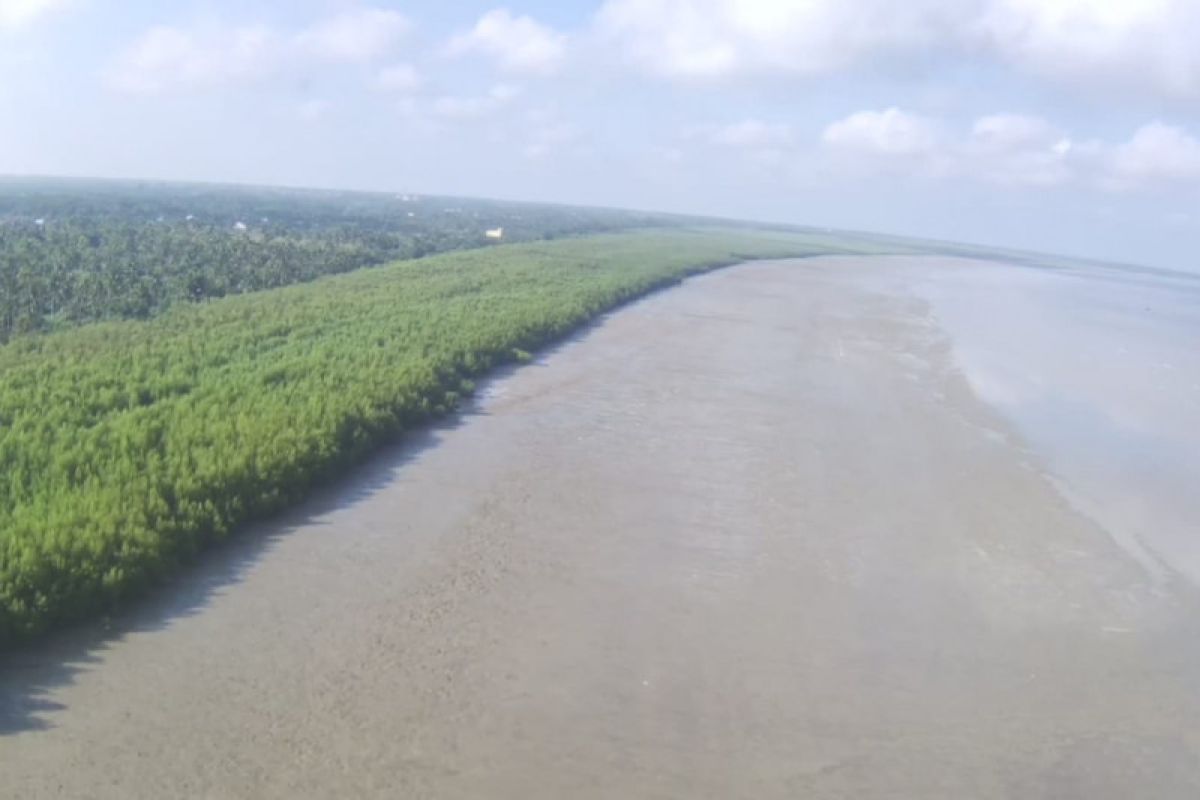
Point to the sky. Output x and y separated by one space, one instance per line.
1069 126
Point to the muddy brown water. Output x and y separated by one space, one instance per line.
751 537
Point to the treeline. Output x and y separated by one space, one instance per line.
80 251
127 447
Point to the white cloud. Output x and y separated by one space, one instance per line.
752 133
16 14
1004 149
1156 152
453 107
1017 150
892 133
166 57
717 38
360 35
1013 150
1150 43
398 78
1009 132
519 44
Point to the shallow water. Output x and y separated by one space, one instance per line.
755 536
1100 372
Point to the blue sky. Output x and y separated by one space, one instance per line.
1061 125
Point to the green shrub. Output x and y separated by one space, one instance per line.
128 447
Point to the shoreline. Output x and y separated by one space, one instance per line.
215 416
1090 370
752 536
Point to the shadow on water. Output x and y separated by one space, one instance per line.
30 674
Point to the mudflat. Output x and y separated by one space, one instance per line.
755 536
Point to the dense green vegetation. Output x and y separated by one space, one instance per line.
75 251
126 447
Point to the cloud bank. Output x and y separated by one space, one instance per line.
1144 43
167 58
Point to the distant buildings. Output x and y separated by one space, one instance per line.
494 233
